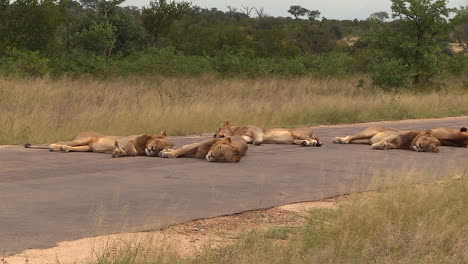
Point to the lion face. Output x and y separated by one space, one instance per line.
426 143
223 151
224 130
157 143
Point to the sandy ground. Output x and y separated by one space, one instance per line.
187 239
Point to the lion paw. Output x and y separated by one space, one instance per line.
64 149
257 143
338 140
166 153
55 147
377 146
309 143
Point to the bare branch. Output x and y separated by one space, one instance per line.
260 12
247 10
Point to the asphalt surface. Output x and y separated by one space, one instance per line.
48 197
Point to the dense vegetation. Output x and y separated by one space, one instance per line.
103 38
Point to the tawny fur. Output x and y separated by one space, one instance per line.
119 146
451 137
304 136
229 149
251 134
388 138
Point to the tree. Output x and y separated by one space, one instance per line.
298 11
247 10
158 17
412 40
30 24
313 15
260 12
381 16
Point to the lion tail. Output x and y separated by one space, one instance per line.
27 145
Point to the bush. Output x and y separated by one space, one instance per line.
23 63
332 64
458 64
390 74
164 61
239 64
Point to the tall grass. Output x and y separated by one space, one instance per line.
45 110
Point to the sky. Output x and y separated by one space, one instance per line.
331 9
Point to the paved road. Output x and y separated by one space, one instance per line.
49 197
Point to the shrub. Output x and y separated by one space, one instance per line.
23 63
390 74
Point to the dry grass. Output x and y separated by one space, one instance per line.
46 110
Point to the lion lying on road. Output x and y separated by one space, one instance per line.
136 145
251 134
389 138
304 136
229 149
451 137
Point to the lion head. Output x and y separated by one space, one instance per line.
224 130
425 142
223 151
157 143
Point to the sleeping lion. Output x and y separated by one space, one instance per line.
388 138
451 137
304 136
119 146
229 149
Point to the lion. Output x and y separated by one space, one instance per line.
251 134
383 138
451 137
141 145
228 149
304 136
119 146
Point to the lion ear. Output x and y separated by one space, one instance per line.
163 133
226 122
428 132
463 129
227 140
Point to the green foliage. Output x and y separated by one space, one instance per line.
99 38
457 64
158 17
102 38
30 24
390 74
297 11
23 63
410 43
165 61
331 64
239 64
